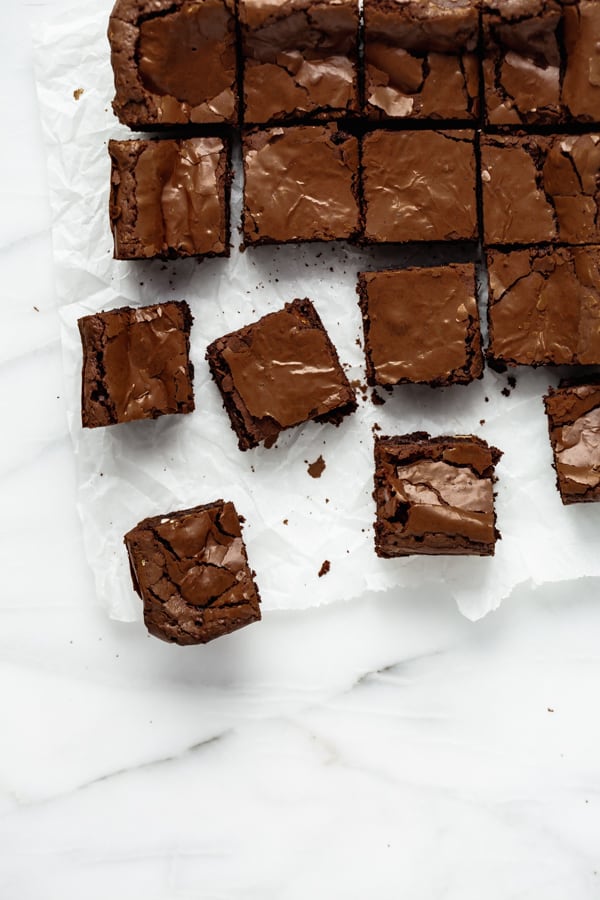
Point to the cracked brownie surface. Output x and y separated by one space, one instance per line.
573 412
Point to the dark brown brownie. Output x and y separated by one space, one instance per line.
170 198
191 570
421 325
573 412
544 306
300 184
419 186
434 496
300 59
421 60
540 189
136 364
581 83
279 372
174 62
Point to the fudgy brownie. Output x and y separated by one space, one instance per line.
581 83
170 198
279 372
300 184
191 570
420 59
174 62
136 364
573 412
544 306
300 59
434 496
421 325
539 189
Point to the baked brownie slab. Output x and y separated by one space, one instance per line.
174 62
420 59
300 59
191 570
300 184
136 364
573 412
279 372
419 186
434 496
170 198
581 84
544 306
421 325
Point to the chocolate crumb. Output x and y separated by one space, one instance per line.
285 521
77 93
505 392
316 468
512 381
324 568
376 399
375 427
482 421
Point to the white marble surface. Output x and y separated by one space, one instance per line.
379 748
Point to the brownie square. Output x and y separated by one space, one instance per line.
522 61
191 570
573 412
300 59
544 306
170 198
136 364
279 372
174 62
421 326
581 82
541 188
434 496
300 184
421 60
419 186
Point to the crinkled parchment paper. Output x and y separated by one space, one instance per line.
293 521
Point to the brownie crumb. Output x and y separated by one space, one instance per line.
482 421
324 568
512 381
77 93
316 468
505 392
285 521
375 427
376 399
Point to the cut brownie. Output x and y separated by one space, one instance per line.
420 59
300 59
174 62
434 496
170 198
544 306
136 364
573 412
300 184
279 372
421 326
581 84
419 186
191 570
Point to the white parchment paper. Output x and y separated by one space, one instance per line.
293 521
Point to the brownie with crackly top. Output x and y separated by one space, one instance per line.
573 411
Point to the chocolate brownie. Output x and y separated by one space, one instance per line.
170 198
191 570
419 186
300 184
279 372
174 62
421 60
544 306
300 59
573 412
434 496
421 325
538 189
136 364
581 83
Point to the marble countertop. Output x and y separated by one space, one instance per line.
380 748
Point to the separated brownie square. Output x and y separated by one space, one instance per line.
419 186
300 184
421 325
435 496
279 372
170 198
174 62
573 412
540 188
191 570
300 59
136 364
420 59
544 306
581 82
